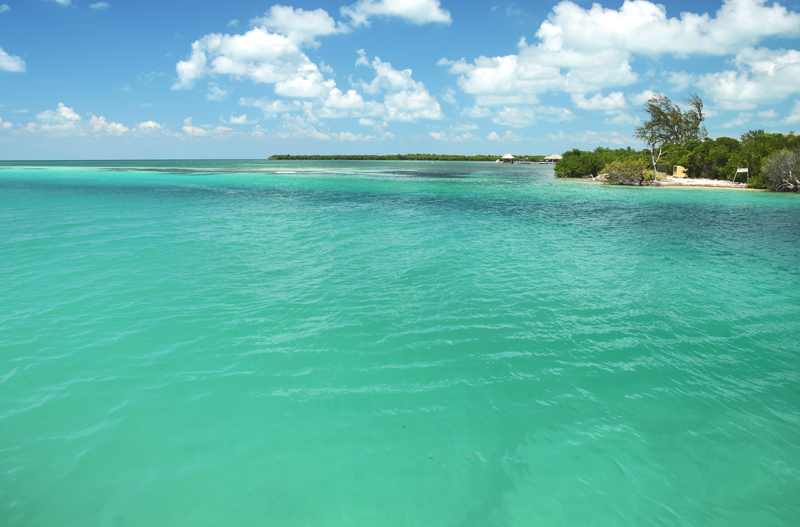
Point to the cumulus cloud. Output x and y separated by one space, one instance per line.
11 62
614 103
465 127
61 120
215 93
99 124
581 51
508 136
741 120
99 5
794 115
455 138
148 126
196 131
298 25
515 116
258 55
761 76
349 136
241 119
417 12
405 99
5 125
639 99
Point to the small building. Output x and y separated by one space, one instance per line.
508 158
553 158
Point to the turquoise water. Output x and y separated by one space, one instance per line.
199 343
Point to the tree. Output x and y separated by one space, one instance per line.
577 163
626 172
752 134
668 124
782 171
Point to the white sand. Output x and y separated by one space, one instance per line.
690 182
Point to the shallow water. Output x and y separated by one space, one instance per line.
393 343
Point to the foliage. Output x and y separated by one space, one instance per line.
752 134
668 124
782 171
578 163
627 172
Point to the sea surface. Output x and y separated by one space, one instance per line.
331 344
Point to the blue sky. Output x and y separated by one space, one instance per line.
86 79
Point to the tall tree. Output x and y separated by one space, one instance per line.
668 124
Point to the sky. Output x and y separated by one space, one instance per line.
139 79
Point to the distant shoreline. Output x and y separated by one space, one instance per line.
399 157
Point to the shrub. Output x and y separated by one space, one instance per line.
782 171
632 172
577 163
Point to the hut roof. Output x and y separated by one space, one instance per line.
554 156
508 156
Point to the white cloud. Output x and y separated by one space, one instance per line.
62 2
794 115
233 23
449 96
300 133
742 120
366 122
258 55
623 118
270 108
768 114
639 99
298 25
350 100
215 93
406 99
99 5
442 136
21 110
196 131
99 124
581 50
148 126
508 136
476 112
4 8
681 80
11 62
466 127
240 119
614 103
348 136
761 76
413 11
61 120
5 125
517 117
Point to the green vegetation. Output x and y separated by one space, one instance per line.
578 163
668 124
782 171
626 172
678 138
399 157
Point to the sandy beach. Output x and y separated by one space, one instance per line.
698 182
